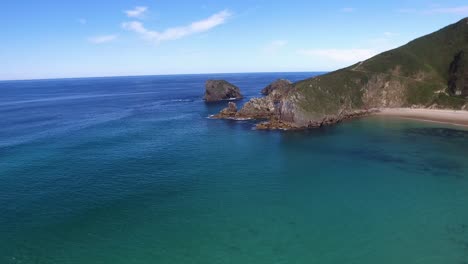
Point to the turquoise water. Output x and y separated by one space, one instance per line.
130 170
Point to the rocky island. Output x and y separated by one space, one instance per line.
430 72
218 90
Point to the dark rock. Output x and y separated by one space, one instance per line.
458 75
218 90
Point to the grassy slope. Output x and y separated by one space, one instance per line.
421 66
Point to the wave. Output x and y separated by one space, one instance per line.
172 118
182 100
65 127
72 97
232 118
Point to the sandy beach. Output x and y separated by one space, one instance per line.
454 117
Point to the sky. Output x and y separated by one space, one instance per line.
93 38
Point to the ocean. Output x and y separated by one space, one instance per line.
130 170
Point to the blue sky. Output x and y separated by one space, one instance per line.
56 38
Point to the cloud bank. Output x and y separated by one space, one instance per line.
457 10
102 39
177 32
460 10
137 12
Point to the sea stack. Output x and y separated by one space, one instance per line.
218 90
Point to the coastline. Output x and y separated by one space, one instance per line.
452 117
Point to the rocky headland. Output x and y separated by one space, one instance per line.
430 72
273 111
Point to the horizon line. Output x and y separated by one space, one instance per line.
148 75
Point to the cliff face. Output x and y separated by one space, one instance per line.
431 71
458 75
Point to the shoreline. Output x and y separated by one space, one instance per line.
441 116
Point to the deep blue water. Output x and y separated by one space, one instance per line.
131 170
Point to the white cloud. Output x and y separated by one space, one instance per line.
407 10
390 34
82 21
275 46
102 39
340 55
457 10
178 32
137 12
348 9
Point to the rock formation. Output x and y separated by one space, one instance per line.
218 90
259 108
228 112
430 72
458 75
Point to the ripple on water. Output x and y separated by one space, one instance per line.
438 132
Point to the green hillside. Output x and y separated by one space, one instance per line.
431 71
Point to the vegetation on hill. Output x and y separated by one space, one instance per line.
431 71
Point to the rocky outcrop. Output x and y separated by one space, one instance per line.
458 75
280 110
258 108
281 86
325 121
228 112
218 90
277 124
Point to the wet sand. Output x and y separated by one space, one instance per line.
454 117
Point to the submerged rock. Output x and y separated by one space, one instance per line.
218 90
